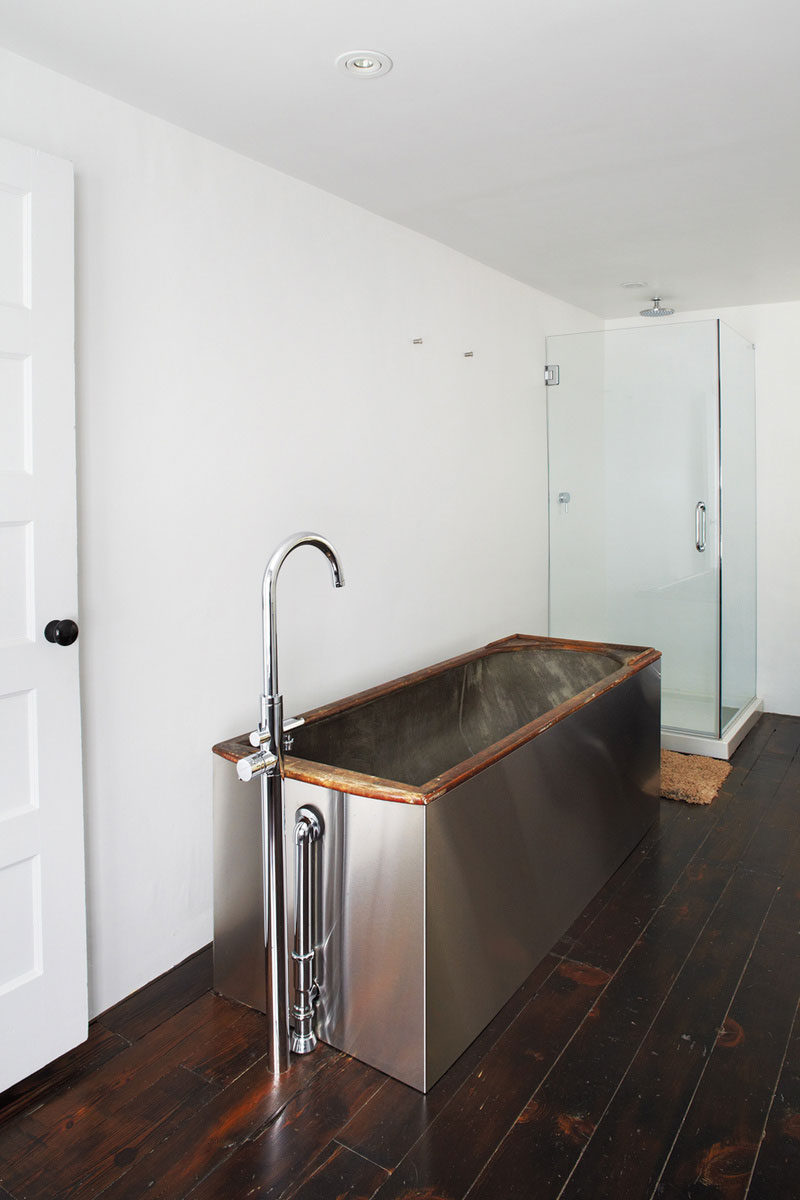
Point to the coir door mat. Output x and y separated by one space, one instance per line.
691 777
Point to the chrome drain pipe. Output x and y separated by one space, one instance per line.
307 831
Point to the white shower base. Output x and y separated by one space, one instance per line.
690 710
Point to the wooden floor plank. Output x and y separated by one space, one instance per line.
17 1143
777 1167
629 1147
753 745
720 1135
233 1039
775 837
77 1164
112 1085
342 1174
457 1145
565 946
610 936
396 1117
293 1146
736 778
163 998
785 739
542 1148
100 1046
729 840
177 1165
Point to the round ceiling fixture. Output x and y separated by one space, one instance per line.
636 284
364 64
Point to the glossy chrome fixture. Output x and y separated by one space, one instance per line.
268 763
700 526
306 990
656 310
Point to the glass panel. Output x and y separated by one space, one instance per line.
738 466
632 434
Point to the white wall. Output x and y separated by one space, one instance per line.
244 370
775 330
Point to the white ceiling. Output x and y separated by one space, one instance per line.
573 144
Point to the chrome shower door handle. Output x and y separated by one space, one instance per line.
700 526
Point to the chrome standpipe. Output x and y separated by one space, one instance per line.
267 763
307 831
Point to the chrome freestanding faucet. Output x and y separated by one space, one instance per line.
268 763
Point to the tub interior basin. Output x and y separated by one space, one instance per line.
419 731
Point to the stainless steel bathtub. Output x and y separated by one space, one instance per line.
471 811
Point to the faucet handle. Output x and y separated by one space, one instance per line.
255 764
260 737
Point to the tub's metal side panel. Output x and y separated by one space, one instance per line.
239 969
368 925
371 931
515 854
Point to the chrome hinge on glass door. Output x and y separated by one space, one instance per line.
551 374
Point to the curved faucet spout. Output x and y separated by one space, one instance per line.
269 591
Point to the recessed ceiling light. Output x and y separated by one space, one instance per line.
364 64
638 283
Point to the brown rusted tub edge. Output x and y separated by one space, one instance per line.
355 783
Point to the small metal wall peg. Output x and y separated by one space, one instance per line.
417 342
469 354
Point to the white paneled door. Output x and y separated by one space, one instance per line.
43 1005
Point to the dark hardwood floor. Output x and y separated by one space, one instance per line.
654 1053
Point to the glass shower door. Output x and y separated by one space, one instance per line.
633 431
738 541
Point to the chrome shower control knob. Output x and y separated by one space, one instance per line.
260 736
254 764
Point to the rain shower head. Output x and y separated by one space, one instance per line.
656 310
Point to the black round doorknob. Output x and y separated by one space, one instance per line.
63 633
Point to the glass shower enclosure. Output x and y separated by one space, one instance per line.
651 447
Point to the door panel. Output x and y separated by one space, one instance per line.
43 1004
